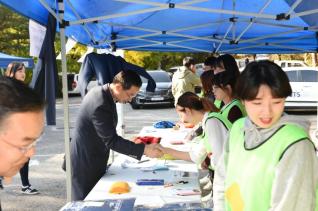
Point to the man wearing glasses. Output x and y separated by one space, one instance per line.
95 133
21 124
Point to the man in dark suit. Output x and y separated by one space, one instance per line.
95 133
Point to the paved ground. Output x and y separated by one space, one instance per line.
45 167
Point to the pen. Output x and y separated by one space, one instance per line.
142 161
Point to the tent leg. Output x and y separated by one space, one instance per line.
65 106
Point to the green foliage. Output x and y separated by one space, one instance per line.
14 35
161 60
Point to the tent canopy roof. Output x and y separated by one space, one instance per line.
224 26
5 60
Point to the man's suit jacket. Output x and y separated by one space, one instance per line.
95 134
104 67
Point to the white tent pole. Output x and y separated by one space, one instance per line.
296 3
185 40
140 46
225 35
194 37
158 32
168 43
65 107
158 4
44 4
242 48
304 13
79 17
264 44
278 25
193 2
151 41
175 30
270 35
253 20
172 32
261 44
136 37
186 47
234 23
201 9
200 25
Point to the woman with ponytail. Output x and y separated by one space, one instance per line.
195 110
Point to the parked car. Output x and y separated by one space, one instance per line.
199 69
161 96
304 83
71 83
73 88
290 63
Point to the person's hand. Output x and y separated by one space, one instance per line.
153 150
161 148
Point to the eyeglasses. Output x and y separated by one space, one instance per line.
23 150
129 95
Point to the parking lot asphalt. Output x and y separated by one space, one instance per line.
45 173
45 167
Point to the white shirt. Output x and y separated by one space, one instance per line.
217 134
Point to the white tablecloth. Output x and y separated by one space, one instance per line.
151 195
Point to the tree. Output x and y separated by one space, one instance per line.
161 60
14 35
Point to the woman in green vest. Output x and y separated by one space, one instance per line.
209 146
224 90
269 161
193 109
207 83
225 62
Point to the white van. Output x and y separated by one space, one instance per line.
290 63
304 83
75 87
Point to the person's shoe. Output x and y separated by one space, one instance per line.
29 190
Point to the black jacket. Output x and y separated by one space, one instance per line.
95 134
104 67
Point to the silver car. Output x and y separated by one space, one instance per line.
161 96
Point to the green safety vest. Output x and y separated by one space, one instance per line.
218 103
226 109
227 124
250 172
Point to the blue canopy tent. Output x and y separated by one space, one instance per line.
6 59
232 26
216 26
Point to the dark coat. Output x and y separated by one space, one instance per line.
95 134
104 67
